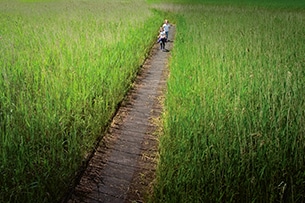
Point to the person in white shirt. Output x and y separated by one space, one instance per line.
162 38
166 27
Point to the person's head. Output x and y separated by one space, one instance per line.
166 21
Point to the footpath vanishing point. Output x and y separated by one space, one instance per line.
123 166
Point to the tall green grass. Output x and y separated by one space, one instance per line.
65 66
234 111
296 4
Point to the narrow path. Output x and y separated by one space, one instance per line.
123 166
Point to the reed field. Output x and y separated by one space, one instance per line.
235 107
234 110
65 66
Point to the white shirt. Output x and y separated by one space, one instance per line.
166 27
162 34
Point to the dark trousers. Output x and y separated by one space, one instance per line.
162 43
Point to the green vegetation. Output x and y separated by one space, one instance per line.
296 4
234 111
65 65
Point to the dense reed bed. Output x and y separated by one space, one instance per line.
293 4
65 66
234 110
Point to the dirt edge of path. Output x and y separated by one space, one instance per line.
141 187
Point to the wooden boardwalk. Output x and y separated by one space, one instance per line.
123 166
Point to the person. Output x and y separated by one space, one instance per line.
159 36
166 27
162 38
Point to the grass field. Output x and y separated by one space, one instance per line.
234 110
65 66
292 4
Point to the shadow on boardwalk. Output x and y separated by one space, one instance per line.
123 166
